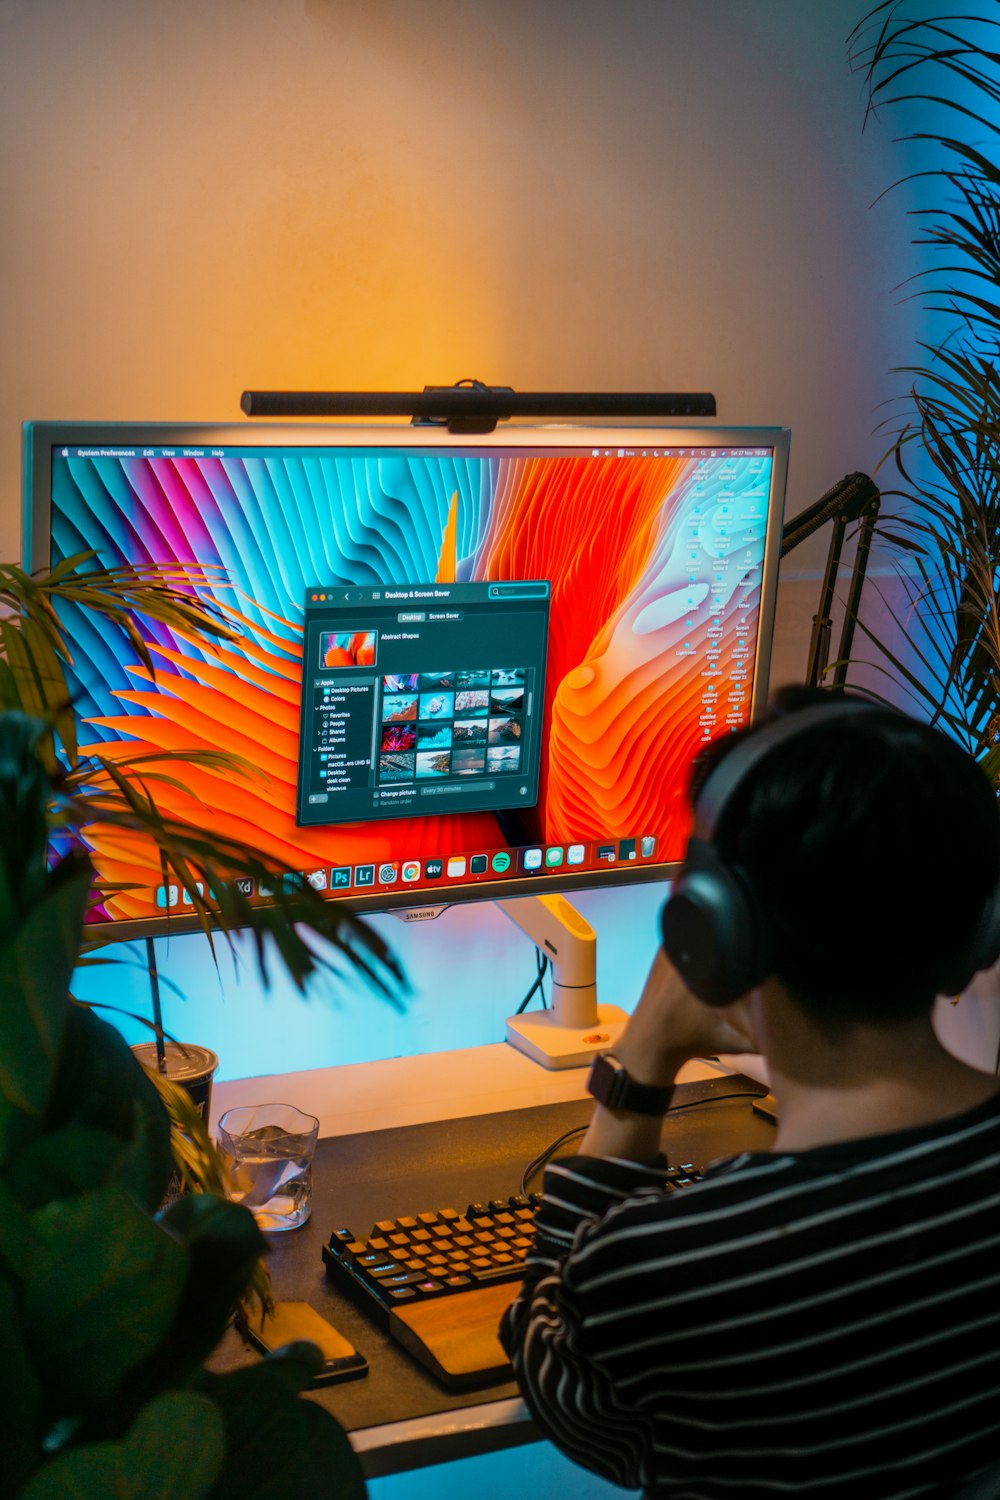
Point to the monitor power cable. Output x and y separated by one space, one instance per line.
544 1156
537 988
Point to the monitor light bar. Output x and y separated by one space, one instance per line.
471 406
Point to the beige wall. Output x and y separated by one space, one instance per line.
607 194
204 195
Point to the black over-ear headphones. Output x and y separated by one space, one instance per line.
712 926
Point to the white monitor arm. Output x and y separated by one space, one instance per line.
576 1027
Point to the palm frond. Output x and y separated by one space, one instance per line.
92 792
946 435
209 865
34 642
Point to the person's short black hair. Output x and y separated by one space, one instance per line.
872 845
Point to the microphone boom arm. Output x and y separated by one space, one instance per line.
855 498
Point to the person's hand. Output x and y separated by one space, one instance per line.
670 1025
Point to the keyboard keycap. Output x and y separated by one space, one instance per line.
442 1252
495 1273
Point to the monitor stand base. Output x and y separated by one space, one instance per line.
540 1036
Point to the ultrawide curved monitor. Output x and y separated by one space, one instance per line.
467 667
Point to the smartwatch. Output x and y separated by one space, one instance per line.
610 1085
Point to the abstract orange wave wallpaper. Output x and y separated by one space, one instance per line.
654 562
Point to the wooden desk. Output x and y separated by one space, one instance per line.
398 1417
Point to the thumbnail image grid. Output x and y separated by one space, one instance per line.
435 725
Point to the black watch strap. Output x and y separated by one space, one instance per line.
610 1085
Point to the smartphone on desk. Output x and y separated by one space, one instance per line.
298 1320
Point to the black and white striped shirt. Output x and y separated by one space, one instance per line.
816 1324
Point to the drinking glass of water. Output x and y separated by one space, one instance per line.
268 1149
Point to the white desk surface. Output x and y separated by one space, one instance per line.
436 1086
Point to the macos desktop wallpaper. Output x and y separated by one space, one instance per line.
654 560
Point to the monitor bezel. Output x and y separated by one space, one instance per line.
40 437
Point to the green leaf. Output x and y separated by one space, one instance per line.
222 1245
24 792
122 795
36 965
146 1165
74 1159
121 792
17 1131
20 1415
61 1164
42 681
262 1417
991 764
174 1451
100 1084
18 1240
100 1295
34 645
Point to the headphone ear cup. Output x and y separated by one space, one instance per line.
712 929
983 951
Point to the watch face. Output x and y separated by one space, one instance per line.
610 1085
606 1079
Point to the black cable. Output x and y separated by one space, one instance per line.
541 969
542 1159
538 1162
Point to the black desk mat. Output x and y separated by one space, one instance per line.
387 1173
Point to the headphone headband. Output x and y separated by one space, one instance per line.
712 926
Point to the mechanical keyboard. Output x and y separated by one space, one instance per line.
439 1281
432 1254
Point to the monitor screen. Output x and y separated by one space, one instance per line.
466 666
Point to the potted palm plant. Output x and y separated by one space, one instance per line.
946 438
108 1304
121 792
107 1307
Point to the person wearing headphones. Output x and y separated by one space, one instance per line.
823 1318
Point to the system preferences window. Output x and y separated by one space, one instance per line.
423 698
